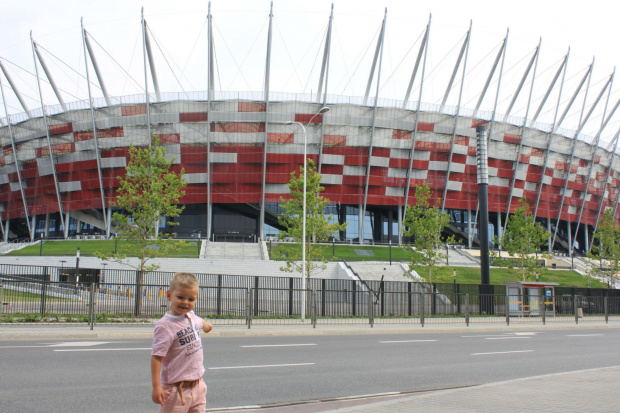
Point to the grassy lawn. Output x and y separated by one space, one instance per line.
19 296
347 252
464 275
89 247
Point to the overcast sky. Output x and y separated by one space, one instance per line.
179 33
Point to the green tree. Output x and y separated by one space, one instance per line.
318 226
605 250
525 240
425 224
148 193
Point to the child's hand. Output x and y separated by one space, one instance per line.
206 327
158 395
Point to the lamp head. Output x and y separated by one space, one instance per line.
289 122
324 109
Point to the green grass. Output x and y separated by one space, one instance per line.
19 296
347 252
89 247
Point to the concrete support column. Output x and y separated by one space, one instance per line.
570 238
6 230
78 226
109 222
399 212
67 223
360 217
33 227
47 225
469 229
390 221
586 237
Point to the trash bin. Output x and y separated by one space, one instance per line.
554 265
580 313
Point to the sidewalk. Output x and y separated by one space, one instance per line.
593 390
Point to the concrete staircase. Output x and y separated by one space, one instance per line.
233 251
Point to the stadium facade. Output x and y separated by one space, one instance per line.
59 166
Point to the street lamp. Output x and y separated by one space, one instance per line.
103 264
77 266
303 235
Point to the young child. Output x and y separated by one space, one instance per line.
176 357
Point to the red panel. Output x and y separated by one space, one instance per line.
168 138
238 127
461 140
76 166
280 137
252 107
432 146
334 140
61 128
188 117
458 158
399 163
116 132
332 169
361 160
381 152
478 122
57 148
537 152
511 138
133 110
471 151
426 127
524 158
308 118
346 150
401 134
7 150
439 157
115 153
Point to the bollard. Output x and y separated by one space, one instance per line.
543 305
575 309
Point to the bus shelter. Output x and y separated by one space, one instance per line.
530 298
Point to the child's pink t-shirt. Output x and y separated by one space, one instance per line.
180 345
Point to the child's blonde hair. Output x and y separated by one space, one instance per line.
183 279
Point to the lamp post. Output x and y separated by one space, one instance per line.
454 278
77 266
303 235
103 264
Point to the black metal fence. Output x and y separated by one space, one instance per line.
53 294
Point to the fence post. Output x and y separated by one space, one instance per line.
467 309
91 305
255 298
354 299
43 290
138 296
422 299
575 309
507 309
248 308
1 298
371 316
290 296
606 303
219 294
313 308
323 282
542 304
409 300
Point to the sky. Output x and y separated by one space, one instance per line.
179 33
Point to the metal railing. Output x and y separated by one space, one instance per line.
28 300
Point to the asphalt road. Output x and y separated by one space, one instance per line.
114 376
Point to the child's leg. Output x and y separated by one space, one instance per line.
196 398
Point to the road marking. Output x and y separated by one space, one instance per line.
107 349
502 335
505 338
67 344
502 352
277 345
79 344
405 341
261 366
583 335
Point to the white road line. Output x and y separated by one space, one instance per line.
261 366
505 338
277 345
583 335
67 344
108 349
405 341
502 352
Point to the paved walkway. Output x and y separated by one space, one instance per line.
592 390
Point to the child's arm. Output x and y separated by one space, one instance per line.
158 392
206 326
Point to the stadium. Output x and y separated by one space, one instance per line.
60 162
